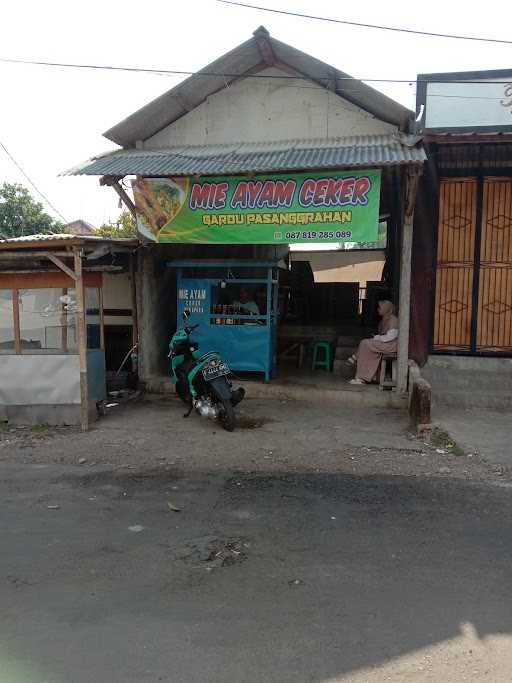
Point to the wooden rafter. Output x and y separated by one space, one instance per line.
113 182
61 265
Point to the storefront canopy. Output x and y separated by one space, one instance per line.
250 157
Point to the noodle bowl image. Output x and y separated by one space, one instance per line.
159 202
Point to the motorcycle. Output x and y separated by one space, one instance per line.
202 381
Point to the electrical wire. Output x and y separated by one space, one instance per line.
215 74
32 182
362 25
468 97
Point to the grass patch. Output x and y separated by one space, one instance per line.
40 429
441 439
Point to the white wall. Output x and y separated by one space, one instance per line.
259 110
116 291
117 294
344 266
39 379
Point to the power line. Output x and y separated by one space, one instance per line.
467 97
362 25
216 74
98 67
32 182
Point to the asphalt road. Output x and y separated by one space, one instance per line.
263 577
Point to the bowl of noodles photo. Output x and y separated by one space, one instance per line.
158 202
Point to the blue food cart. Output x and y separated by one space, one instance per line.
236 306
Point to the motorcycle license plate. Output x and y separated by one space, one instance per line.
213 371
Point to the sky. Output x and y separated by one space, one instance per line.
53 118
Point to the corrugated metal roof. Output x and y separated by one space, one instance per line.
49 237
246 157
247 59
62 237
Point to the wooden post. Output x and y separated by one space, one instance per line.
411 187
16 320
64 324
133 290
102 317
82 341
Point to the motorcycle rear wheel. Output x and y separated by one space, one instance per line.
227 415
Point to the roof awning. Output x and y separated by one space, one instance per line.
257 157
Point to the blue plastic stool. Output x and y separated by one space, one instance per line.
322 356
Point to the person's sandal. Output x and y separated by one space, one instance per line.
356 380
351 361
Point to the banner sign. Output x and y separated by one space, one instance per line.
338 206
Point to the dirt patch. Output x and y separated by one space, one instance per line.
27 437
147 444
246 422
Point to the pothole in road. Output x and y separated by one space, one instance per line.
215 552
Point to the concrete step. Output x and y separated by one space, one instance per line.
470 363
344 394
328 387
496 400
470 381
478 380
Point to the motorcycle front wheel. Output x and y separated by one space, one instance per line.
227 415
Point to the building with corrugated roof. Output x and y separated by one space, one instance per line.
67 318
264 148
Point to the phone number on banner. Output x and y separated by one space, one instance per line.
319 235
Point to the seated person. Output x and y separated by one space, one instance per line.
368 357
247 305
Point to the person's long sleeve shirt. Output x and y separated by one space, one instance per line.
390 335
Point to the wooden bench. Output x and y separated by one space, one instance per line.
388 379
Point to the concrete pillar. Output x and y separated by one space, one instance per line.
411 186
156 304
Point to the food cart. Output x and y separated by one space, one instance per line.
243 332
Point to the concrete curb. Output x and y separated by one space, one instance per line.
368 397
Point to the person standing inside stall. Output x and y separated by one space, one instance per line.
246 304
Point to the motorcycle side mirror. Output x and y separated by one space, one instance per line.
186 314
